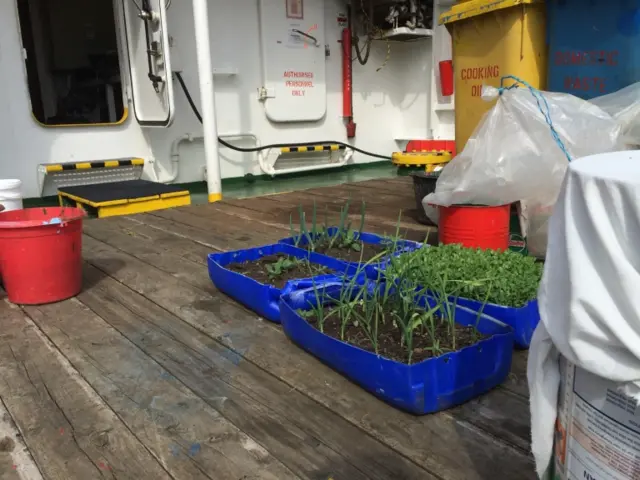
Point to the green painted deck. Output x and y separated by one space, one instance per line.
151 373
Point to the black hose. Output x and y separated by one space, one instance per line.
275 145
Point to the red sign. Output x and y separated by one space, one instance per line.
295 9
479 73
299 82
585 84
602 57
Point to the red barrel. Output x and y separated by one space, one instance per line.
41 254
475 226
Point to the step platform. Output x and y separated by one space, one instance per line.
124 197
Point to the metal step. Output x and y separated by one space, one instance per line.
52 176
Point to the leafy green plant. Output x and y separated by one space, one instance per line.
283 264
504 278
342 236
394 302
280 266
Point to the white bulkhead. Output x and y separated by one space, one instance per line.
91 81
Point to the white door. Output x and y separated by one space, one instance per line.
149 62
294 59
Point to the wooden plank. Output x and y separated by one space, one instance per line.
382 220
393 192
323 443
16 462
69 430
356 193
199 230
399 185
387 210
206 238
281 212
444 445
189 438
159 251
228 228
143 234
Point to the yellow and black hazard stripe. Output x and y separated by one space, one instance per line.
64 167
313 148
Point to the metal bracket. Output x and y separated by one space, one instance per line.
264 93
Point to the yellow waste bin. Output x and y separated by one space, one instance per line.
491 39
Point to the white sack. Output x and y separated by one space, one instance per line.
588 298
624 106
512 155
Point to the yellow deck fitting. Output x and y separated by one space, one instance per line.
428 160
124 198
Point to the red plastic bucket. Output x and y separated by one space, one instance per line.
475 226
41 254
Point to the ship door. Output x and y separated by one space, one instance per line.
149 61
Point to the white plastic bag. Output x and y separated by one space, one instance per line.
624 106
512 155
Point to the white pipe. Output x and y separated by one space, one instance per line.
189 137
207 99
175 156
269 169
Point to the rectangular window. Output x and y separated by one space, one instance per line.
72 61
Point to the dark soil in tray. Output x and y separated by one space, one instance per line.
348 254
389 339
257 270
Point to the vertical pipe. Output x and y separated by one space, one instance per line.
207 99
347 83
347 108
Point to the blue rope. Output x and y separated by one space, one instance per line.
543 106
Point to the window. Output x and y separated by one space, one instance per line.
73 67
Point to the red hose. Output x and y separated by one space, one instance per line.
347 83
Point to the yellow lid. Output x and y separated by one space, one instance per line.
472 8
420 158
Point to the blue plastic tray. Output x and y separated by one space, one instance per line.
523 320
259 297
426 387
371 238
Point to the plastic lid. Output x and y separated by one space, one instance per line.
473 8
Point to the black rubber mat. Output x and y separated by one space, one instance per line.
106 192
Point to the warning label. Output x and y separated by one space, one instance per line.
598 429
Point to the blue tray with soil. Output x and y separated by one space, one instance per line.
373 245
255 277
523 320
429 383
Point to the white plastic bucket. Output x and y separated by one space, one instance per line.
597 430
10 194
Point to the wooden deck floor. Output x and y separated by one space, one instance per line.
151 373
